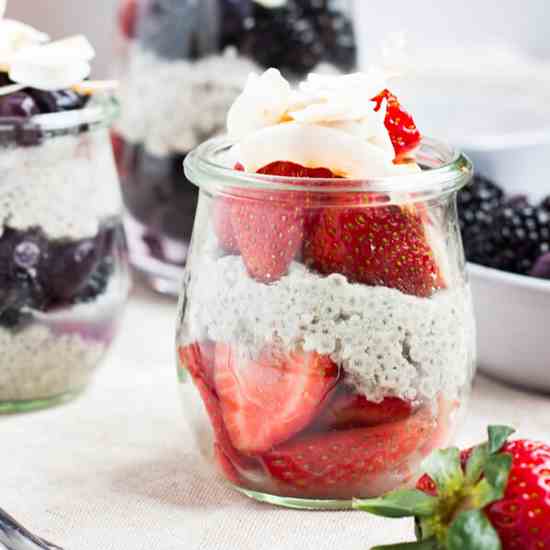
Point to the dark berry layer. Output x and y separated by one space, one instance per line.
17 108
157 194
506 233
39 274
295 37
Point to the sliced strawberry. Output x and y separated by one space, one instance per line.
269 232
347 460
226 466
198 360
128 18
404 135
350 410
378 246
223 224
268 227
268 400
294 170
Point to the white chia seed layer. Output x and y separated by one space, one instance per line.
173 105
387 342
55 355
38 364
66 186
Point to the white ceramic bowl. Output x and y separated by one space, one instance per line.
513 326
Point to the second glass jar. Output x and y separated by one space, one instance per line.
326 335
185 62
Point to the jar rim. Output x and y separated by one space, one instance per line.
444 170
101 112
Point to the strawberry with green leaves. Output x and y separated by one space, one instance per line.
495 496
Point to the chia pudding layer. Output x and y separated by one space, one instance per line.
60 350
388 343
77 168
63 279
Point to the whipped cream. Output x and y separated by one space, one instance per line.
387 343
327 121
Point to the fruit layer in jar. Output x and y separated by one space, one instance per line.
329 334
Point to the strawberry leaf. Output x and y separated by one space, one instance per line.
497 470
498 436
399 504
471 530
443 466
476 464
430 544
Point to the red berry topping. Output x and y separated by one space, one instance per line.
378 246
268 228
347 460
404 135
268 400
350 410
222 216
127 18
293 170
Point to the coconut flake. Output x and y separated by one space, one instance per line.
263 102
16 36
316 146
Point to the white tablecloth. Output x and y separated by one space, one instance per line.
117 470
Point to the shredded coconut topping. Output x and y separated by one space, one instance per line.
388 343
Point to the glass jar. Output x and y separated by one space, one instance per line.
336 376
185 63
63 258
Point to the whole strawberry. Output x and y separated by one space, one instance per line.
495 496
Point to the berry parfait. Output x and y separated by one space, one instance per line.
326 334
63 261
184 63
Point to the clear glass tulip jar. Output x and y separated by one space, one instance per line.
63 258
184 64
329 347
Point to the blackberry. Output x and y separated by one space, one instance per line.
477 205
284 38
518 238
57 101
37 274
335 30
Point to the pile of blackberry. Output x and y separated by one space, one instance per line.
502 232
295 37
37 274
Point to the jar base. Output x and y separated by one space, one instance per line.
29 405
296 503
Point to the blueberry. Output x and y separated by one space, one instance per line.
18 104
57 101
70 264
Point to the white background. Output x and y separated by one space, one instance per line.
523 23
